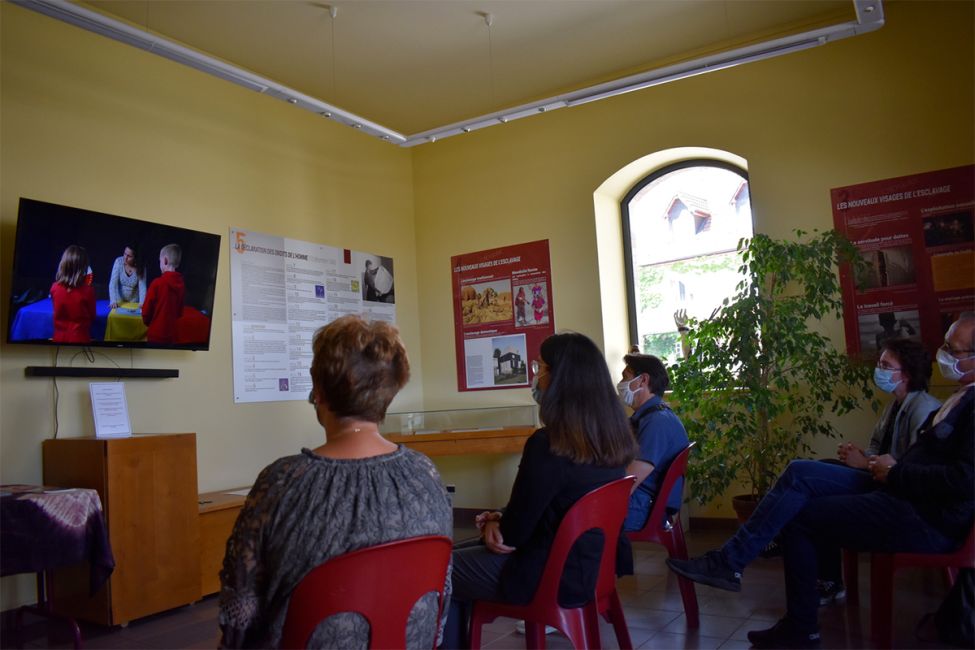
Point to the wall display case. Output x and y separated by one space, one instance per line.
463 431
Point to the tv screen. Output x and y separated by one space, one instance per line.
92 279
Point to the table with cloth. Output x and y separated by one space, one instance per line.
44 528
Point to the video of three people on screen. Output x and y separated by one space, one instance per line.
73 294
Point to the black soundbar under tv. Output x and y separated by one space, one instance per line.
125 373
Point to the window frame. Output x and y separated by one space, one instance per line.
628 270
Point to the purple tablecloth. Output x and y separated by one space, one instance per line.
45 528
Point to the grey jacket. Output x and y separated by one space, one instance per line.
912 414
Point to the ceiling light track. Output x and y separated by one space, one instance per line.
144 40
870 17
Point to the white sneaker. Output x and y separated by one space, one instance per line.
520 628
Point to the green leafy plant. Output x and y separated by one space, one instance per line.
760 381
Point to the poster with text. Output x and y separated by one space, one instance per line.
282 291
915 234
502 313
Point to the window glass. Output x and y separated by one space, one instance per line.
682 225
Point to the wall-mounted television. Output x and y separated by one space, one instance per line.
87 278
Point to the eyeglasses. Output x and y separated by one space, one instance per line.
311 396
884 366
536 367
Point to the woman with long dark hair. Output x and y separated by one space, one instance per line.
586 442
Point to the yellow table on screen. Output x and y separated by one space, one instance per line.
125 326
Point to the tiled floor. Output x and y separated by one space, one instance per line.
652 605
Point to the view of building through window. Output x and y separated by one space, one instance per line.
684 226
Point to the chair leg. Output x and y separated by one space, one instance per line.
951 574
851 576
590 624
881 599
476 623
534 635
615 615
678 549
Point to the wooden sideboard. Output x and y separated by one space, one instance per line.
147 485
218 513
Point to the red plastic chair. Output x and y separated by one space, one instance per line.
667 531
372 582
605 509
883 566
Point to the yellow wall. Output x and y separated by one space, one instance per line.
893 102
93 123
89 122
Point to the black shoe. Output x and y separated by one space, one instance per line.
783 635
708 569
830 592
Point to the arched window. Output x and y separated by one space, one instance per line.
681 228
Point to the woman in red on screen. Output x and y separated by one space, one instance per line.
73 298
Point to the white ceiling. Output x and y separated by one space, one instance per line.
414 65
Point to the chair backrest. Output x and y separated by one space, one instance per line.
658 511
604 509
382 583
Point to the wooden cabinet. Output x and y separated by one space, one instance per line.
147 484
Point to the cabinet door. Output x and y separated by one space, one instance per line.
153 524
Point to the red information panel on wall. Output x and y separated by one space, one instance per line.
502 313
916 235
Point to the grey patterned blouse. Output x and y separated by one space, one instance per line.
306 509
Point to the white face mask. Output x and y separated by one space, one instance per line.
948 364
627 395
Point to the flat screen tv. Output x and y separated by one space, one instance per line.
86 278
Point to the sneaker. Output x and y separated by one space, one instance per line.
830 592
783 635
520 628
708 569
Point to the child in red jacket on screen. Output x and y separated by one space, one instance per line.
73 298
164 299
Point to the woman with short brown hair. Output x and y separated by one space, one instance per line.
356 490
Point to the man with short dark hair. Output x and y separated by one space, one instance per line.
659 433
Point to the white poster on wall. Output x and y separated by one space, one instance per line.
281 291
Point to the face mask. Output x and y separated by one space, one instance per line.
884 379
627 395
948 365
536 391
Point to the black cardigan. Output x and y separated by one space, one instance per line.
937 473
545 488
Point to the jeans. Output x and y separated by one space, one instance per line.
638 511
475 575
873 521
802 482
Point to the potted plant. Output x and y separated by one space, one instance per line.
760 380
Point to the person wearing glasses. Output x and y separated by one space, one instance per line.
903 370
586 442
923 502
355 490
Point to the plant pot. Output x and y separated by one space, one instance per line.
744 505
